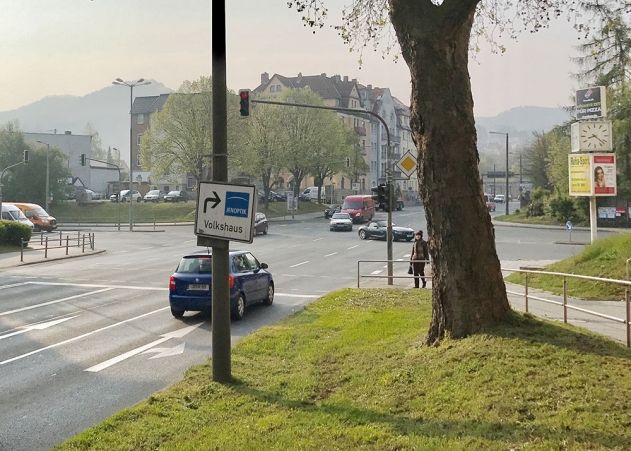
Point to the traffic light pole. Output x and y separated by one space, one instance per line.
389 174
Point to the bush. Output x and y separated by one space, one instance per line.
563 208
11 232
536 205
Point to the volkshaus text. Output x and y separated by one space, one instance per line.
224 227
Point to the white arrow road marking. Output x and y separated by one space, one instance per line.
70 340
165 352
114 360
76 296
40 326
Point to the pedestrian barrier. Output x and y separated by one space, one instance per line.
49 242
379 276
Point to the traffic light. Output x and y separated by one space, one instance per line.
83 159
26 156
380 194
244 102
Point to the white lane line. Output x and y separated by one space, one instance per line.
317 239
352 247
70 340
407 255
94 285
56 301
333 253
119 358
299 264
290 295
2 287
379 271
36 326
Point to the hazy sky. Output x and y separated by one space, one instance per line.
53 47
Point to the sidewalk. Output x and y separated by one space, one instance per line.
34 255
557 227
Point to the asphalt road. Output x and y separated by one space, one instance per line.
82 338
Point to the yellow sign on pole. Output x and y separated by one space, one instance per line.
407 163
579 170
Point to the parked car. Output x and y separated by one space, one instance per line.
328 212
124 196
311 193
260 224
341 221
155 195
38 216
175 196
93 195
12 213
277 197
190 286
378 230
490 203
499 198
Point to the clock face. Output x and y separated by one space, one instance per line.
595 136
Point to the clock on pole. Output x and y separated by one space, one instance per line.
591 136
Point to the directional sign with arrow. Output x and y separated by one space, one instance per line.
225 212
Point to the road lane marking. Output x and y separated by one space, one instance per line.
333 253
379 271
95 285
318 239
56 301
79 337
299 264
165 352
289 295
2 287
164 337
352 247
36 326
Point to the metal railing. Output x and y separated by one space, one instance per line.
49 242
527 296
378 276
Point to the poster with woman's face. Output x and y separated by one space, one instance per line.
604 172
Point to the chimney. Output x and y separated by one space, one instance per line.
323 74
345 78
264 78
354 80
337 78
67 132
369 87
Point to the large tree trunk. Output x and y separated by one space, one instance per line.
468 291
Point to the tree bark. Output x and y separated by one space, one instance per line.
468 291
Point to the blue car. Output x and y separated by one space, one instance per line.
190 285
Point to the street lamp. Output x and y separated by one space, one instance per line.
47 173
131 85
506 199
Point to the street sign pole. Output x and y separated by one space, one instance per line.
221 364
593 219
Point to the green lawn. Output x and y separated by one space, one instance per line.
522 218
605 258
108 212
351 372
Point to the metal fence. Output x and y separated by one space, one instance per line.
378 276
52 241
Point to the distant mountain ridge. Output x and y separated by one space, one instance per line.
108 111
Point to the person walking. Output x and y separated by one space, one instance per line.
419 252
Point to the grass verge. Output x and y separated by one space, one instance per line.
350 372
8 248
604 258
109 212
522 218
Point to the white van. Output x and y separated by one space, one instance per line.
12 213
311 193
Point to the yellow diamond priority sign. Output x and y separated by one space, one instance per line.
407 163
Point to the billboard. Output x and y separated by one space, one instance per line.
591 103
592 174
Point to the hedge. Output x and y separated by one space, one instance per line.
12 231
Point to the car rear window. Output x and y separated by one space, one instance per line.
194 265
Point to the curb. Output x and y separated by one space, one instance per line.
53 259
556 227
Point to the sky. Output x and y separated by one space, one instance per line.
75 47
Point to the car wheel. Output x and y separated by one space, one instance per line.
362 235
239 309
177 313
265 230
269 300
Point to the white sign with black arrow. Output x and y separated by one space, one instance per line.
225 211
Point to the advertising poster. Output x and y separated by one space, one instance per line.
579 170
591 103
604 173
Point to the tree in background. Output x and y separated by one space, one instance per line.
96 151
27 183
468 291
179 141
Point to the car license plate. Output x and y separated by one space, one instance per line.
198 286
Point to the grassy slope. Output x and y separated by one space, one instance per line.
522 218
351 372
605 258
107 212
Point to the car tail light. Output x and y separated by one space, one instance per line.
172 283
231 281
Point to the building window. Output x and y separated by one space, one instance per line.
138 138
140 119
138 162
190 182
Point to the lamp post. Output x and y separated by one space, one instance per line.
47 173
506 198
131 85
